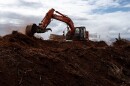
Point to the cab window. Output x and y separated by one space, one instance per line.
77 30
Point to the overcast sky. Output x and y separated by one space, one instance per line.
104 17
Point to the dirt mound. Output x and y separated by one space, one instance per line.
98 43
121 42
19 38
28 61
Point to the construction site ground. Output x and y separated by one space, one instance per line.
26 61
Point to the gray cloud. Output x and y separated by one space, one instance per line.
29 4
11 15
75 18
15 22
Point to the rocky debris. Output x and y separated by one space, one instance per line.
26 61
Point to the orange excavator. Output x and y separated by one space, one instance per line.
74 33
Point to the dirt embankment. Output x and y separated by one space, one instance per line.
28 61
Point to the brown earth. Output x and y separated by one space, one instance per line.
28 61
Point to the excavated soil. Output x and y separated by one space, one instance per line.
26 61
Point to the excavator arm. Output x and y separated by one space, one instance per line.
47 19
59 16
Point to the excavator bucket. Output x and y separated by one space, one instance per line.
31 29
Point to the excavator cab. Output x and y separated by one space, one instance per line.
80 33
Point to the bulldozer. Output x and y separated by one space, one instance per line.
73 33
